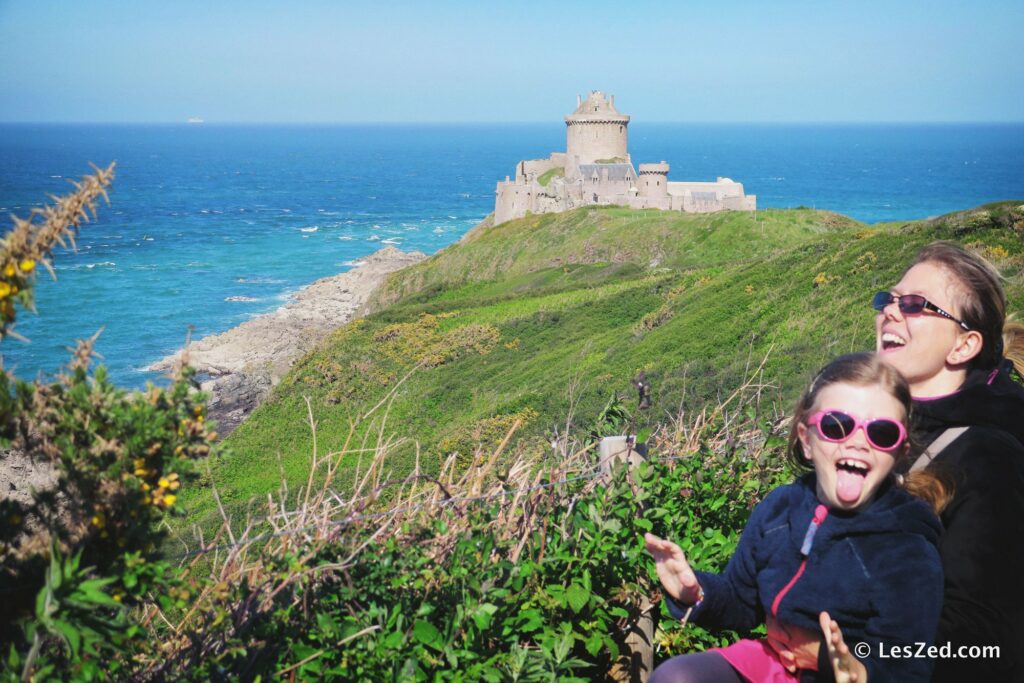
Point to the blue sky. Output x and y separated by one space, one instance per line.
255 61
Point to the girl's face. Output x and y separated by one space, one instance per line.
922 346
850 472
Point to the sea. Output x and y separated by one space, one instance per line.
209 225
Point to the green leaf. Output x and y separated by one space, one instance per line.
532 620
56 575
70 634
482 616
594 644
578 596
393 641
427 633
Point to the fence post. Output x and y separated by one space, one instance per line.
640 637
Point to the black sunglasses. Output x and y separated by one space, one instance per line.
911 304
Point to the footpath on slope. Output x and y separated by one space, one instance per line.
245 362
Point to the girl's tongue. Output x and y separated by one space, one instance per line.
849 483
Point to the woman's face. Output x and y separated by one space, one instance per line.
850 472
921 346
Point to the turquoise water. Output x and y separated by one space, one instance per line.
211 225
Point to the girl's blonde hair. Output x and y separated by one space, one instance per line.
865 369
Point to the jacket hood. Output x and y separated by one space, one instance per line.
988 398
892 509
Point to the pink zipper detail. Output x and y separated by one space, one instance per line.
820 513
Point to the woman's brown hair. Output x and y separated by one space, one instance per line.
865 369
982 303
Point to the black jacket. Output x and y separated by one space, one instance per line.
876 572
982 548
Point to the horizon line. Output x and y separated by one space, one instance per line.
177 122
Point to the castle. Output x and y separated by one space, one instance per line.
596 169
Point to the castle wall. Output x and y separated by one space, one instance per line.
706 197
530 169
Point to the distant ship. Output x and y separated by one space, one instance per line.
194 119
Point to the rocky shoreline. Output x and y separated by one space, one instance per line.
244 363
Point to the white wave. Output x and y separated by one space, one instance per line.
259 281
454 218
354 264
438 229
241 298
391 240
373 238
101 264
346 238
310 229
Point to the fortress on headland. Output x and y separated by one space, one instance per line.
596 169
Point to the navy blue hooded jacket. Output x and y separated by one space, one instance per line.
982 547
876 572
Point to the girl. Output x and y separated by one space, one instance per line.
844 542
943 325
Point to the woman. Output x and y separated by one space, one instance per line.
942 326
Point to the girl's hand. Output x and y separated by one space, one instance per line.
674 571
845 667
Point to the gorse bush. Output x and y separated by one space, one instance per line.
76 557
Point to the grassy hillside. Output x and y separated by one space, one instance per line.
546 317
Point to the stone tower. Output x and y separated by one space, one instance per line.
652 180
594 132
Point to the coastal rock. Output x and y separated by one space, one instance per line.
20 475
245 362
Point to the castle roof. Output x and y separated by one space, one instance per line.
596 107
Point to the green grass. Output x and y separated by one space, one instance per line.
548 315
546 177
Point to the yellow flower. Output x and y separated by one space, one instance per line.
97 521
169 499
5 289
10 270
27 265
164 483
141 472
